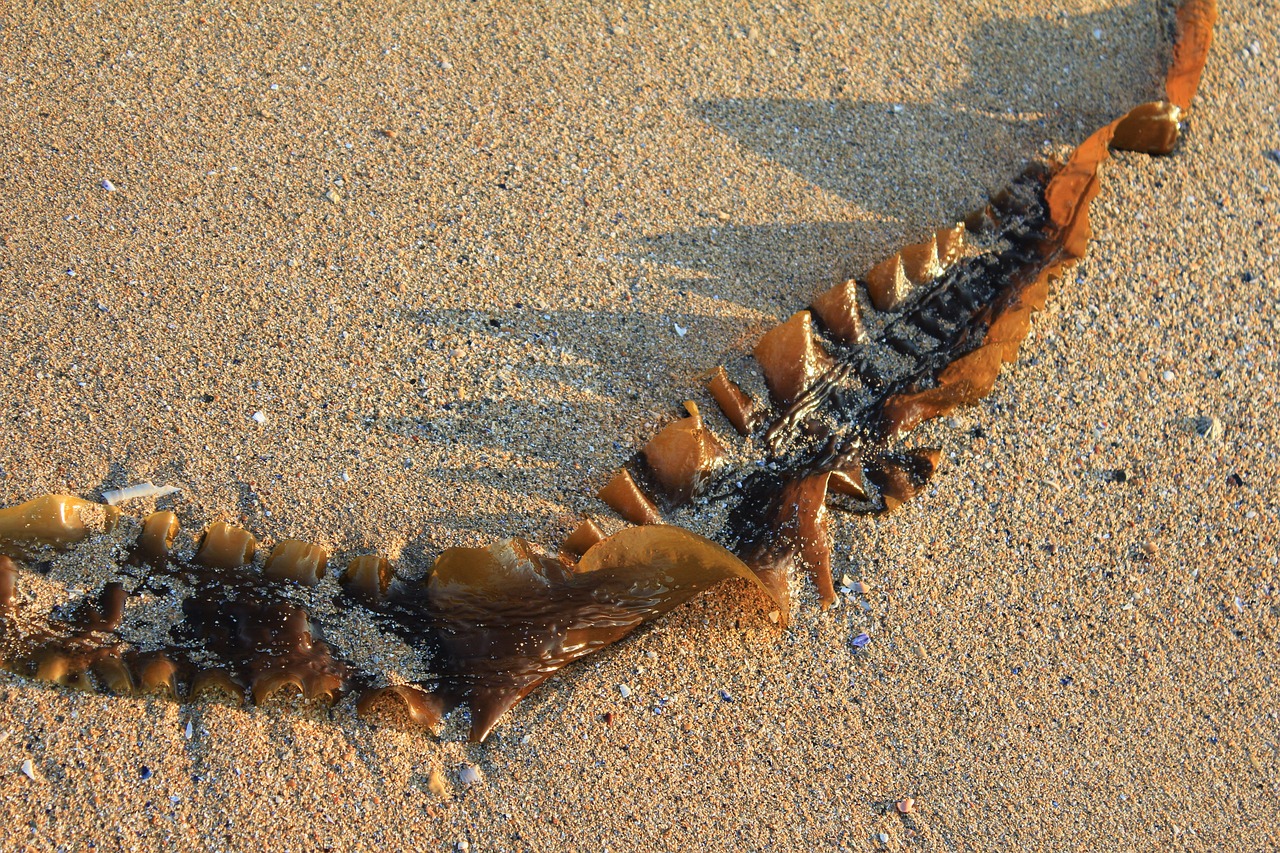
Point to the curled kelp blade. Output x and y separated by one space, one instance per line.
508 617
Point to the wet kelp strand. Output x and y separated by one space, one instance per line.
845 382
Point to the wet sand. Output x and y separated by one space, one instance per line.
447 255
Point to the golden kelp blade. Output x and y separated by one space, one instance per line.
52 521
508 618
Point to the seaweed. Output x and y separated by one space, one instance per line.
848 379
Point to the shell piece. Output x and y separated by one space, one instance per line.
838 310
628 500
583 537
887 284
295 560
226 547
791 358
367 577
52 521
683 455
737 406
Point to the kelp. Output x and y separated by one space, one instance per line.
921 333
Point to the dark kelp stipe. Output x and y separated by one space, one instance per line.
921 333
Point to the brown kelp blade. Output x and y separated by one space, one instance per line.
51 521
509 617
1195 35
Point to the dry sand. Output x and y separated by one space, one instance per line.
444 252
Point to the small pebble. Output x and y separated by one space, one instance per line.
260 417
469 774
144 772
29 770
625 691
108 186
906 805
1167 375
681 330
332 196
462 846
726 696
860 642
883 838
188 731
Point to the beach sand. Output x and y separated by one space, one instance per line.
462 258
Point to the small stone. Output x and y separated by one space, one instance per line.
108 186
29 770
846 582
861 588
906 805
775 616
332 196
681 330
144 773
1168 375
619 30
446 65
726 696
771 52
469 774
188 731
462 846
625 691
861 641
260 417
1149 548
883 837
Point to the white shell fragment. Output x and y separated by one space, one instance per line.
134 492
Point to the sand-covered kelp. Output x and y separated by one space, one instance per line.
818 418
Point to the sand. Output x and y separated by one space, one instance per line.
448 252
